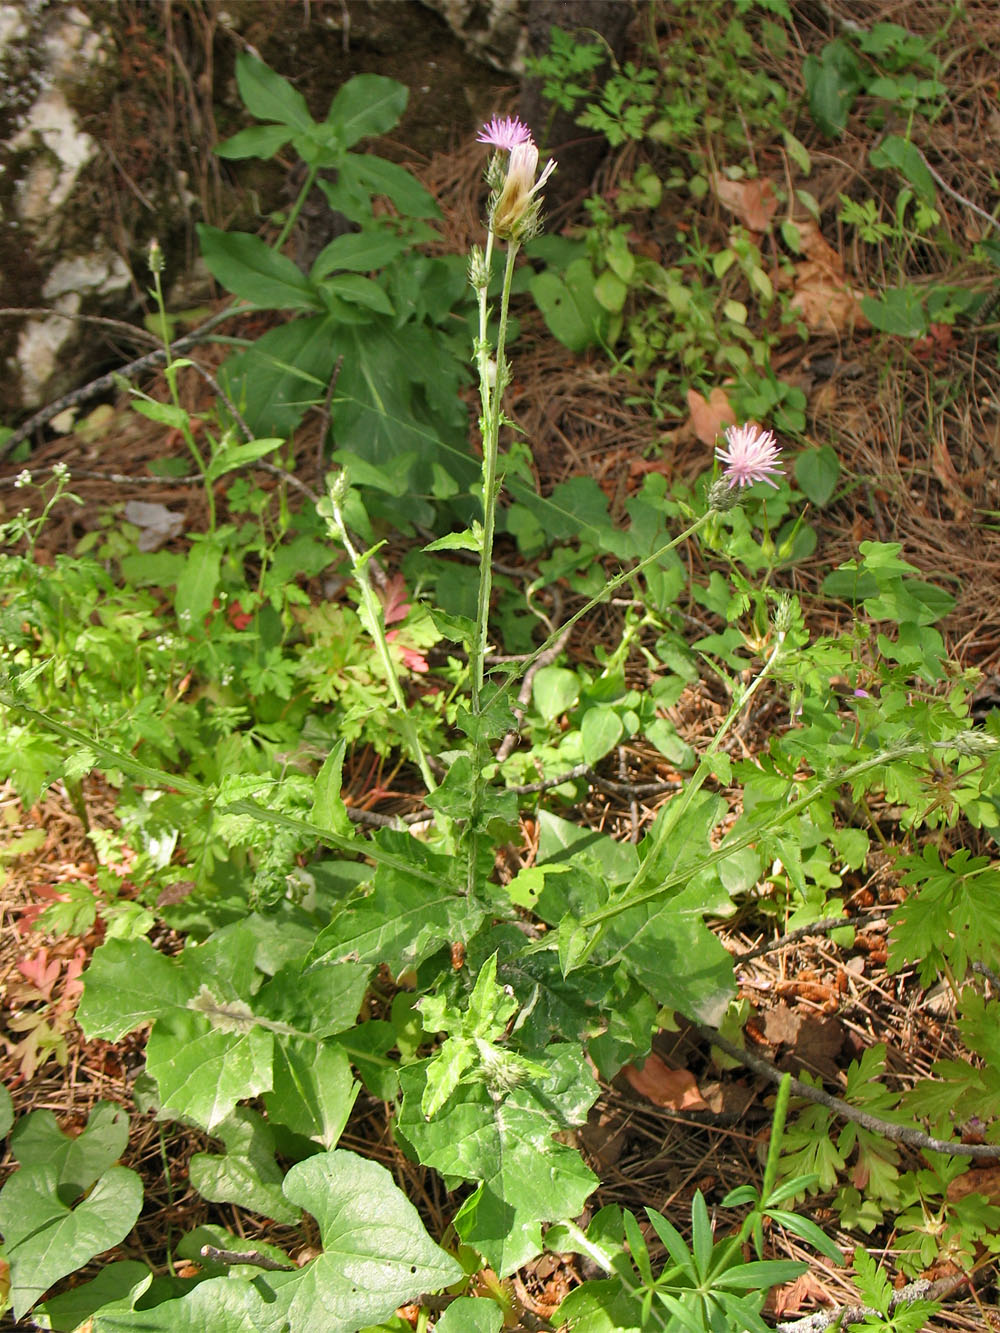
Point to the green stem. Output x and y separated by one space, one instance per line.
376 628
293 216
610 587
492 399
171 378
679 805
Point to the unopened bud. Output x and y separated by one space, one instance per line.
722 497
155 257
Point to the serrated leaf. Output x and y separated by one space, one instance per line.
402 921
328 808
313 1090
671 952
127 984
506 1143
202 1072
246 1174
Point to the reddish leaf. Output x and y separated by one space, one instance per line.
394 604
42 974
673 1088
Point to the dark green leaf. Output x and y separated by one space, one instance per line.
248 268
268 96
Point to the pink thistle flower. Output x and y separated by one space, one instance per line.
516 209
504 133
752 456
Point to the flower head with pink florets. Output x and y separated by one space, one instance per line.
752 456
504 132
514 201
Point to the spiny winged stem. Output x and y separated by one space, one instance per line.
375 624
170 374
491 399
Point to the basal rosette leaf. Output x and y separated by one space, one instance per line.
505 1142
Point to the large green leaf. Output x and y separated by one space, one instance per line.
367 105
376 1255
66 1203
670 951
376 1252
312 1091
401 921
268 96
127 984
506 1143
286 370
469 1314
202 1071
249 268
70 1309
217 1029
246 1174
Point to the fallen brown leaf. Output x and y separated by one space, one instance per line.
676 1089
709 416
753 202
791 1298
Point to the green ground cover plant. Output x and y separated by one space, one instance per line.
317 957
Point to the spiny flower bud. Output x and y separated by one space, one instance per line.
722 497
479 276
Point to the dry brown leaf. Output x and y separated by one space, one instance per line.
791 1298
781 1025
824 302
676 1089
817 249
709 417
753 202
951 483
977 1180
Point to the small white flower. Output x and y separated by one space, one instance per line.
23 479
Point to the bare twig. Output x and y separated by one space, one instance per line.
908 1134
253 1257
844 1316
104 383
948 189
814 928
